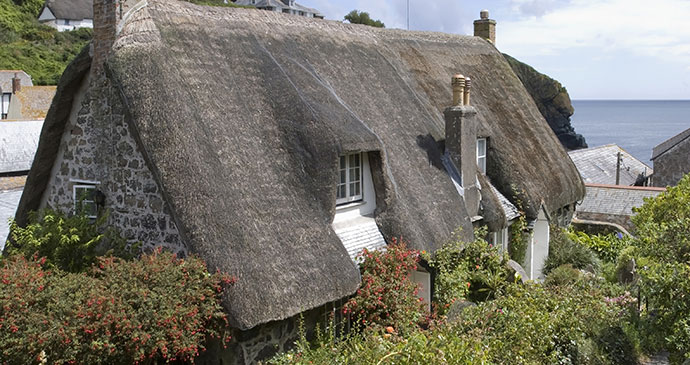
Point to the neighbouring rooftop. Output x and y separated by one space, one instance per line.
597 165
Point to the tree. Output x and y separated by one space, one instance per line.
356 17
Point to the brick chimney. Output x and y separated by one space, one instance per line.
105 18
485 27
461 141
16 83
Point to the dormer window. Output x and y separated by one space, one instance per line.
349 178
481 155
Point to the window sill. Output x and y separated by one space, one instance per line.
349 205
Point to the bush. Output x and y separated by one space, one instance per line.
68 243
606 246
473 271
563 251
662 253
120 312
387 295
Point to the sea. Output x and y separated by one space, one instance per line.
635 125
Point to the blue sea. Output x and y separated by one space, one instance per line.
635 125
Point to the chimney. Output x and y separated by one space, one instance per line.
485 27
461 142
104 29
16 83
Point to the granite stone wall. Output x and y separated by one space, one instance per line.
98 147
672 165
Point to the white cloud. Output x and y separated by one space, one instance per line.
646 28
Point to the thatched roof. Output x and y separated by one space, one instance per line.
243 114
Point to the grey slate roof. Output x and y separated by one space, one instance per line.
511 211
597 165
669 143
358 234
18 143
6 79
9 199
615 199
71 9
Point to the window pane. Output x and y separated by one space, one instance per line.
481 163
354 174
342 177
481 147
342 162
341 191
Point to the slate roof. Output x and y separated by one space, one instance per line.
248 163
71 9
6 77
597 165
35 101
615 199
9 199
358 234
18 143
670 143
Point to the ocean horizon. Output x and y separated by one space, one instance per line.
637 126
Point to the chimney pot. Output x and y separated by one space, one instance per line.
484 14
466 98
458 82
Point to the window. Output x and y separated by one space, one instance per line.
481 154
84 200
5 104
349 178
66 21
286 11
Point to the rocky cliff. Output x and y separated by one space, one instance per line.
552 100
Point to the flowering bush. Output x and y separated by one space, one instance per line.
387 296
158 307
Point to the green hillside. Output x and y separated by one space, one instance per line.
41 51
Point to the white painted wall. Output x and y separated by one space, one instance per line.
538 248
364 207
423 280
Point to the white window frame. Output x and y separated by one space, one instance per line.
350 196
481 154
84 202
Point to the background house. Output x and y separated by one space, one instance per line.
67 14
671 159
282 6
270 158
610 165
11 81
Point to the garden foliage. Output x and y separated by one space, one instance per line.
564 251
472 271
120 312
69 243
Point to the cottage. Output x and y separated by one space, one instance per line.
67 14
237 135
671 159
282 6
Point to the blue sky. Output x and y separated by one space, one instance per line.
598 49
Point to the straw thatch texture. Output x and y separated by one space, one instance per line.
242 115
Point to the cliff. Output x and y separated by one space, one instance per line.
552 100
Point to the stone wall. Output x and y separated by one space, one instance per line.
672 165
97 146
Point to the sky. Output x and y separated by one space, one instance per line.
598 49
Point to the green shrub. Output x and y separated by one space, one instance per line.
606 246
563 275
563 251
120 312
662 254
473 271
70 243
387 296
